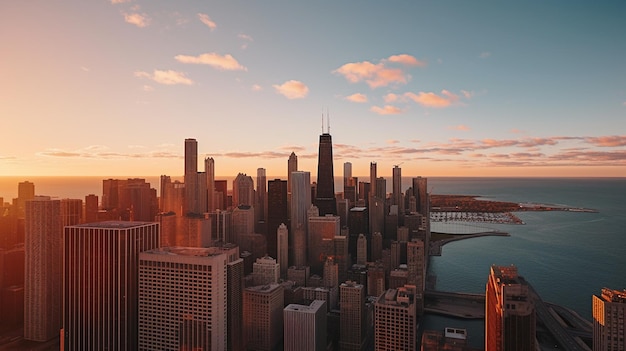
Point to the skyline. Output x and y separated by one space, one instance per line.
113 88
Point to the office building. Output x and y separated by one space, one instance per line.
352 307
209 172
282 238
292 166
242 223
191 204
277 212
221 194
263 316
299 275
396 196
243 190
320 229
361 249
261 200
325 196
91 208
305 327
415 264
100 288
375 279
175 311
509 312
43 231
265 271
300 204
395 320
609 320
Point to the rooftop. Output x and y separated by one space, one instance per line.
113 224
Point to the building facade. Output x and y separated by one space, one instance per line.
609 320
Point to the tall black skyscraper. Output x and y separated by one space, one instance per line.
325 199
277 212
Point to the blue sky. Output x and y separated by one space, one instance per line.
445 88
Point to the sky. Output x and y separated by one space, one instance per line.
440 88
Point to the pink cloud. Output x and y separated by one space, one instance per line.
292 89
607 141
168 77
140 20
461 127
406 60
221 62
387 110
430 99
360 98
377 75
391 97
204 18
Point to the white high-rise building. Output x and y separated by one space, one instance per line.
182 299
305 327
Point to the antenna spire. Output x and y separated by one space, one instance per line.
328 119
322 121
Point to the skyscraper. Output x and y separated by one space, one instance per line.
243 190
395 320
100 289
265 271
609 320
263 316
25 192
396 198
509 313
352 302
282 257
320 229
305 327
91 208
361 249
174 311
325 199
43 232
373 177
209 171
277 213
191 177
261 195
300 203
347 173
292 166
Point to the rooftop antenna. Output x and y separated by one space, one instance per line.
328 119
322 121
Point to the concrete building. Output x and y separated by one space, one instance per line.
361 249
43 246
209 172
175 311
261 203
242 219
277 213
101 293
192 197
509 312
299 274
243 190
282 238
352 307
395 320
609 320
320 229
305 327
263 316
300 204
266 271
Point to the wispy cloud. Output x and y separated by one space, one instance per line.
168 77
431 99
256 87
379 74
217 61
204 18
460 127
607 141
391 97
246 40
392 141
386 110
140 20
119 1
292 89
358 97
148 88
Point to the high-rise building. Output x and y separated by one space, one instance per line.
305 327
415 265
277 212
347 173
361 249
265 271
91 208
71 211
350 191
376 280
300 204
509 312
25 192
261 197
263 316
325 197
43 236
609 320
174 311
234 306
191 204
243 190
420 191
221 194
242 223
396 197
209 172
282 239
352 307
395 320
373 178
292 166
100 289
320 228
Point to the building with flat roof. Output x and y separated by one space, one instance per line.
352 307
305 327
263 316
395 320
509 312
182 299
609 322
100 285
